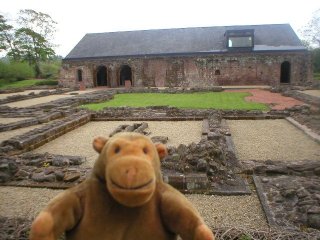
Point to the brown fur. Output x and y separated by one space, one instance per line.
124 198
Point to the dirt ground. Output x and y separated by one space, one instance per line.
275 100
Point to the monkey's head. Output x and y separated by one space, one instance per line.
130 165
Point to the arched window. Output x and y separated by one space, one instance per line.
217 72
79 75
285 72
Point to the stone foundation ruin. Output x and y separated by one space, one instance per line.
289 193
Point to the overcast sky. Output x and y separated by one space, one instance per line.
75 18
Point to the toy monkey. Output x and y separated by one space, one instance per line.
125 198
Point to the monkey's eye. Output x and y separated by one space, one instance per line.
145 150
117 149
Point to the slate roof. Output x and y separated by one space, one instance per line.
180 41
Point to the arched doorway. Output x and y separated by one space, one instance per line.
102 79
125 74
285 72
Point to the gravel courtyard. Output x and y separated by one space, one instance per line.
271 140
79 141
217 211
315 93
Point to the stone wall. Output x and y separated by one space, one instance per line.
193 71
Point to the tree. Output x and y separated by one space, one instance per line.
39 22
31 41
34 36
311 31
7 38
33 47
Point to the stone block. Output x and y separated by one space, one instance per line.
197 182
176 180
205 127
214 136
71 176
41 177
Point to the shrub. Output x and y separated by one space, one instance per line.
47 82
3 70
50 70
15 71
316 59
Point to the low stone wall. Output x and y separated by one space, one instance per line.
20 97
41 170
45 134
173 113
303 97
289 192
29 122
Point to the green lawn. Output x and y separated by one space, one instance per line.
215 100
25 83
316 76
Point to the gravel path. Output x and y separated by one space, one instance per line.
11 120
79 141
230 211
24 202
217 211
315 93
272 140
84 91
35 101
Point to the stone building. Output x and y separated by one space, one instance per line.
189 57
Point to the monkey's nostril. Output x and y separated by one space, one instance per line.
130 174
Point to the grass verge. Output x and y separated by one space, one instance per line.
4 84
213 100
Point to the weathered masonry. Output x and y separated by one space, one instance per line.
189 57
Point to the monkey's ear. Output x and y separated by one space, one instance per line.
98 143
162 150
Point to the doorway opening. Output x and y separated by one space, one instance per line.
102 76
125 74
285 72
79 75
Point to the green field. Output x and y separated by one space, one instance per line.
25 83
213 100
316 76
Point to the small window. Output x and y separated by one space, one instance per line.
79 75
217 72
237 39
240 42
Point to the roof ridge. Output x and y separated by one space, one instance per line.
182 28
